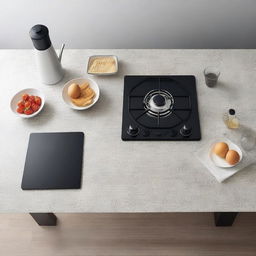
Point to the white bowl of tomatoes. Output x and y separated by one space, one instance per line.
27 103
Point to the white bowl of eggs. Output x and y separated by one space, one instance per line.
225 154
80 93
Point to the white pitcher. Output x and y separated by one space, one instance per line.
49 64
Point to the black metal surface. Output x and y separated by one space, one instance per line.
54 161
183 110
224 219
45 219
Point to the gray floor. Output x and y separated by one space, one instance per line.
127 234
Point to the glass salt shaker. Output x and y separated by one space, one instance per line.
230 119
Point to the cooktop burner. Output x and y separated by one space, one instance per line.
160 108
158 103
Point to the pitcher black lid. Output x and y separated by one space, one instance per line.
39 35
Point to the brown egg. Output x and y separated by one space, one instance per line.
221 149
232 157
74 91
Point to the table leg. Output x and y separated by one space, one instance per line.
224 219
45 219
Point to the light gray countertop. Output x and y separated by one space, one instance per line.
119 176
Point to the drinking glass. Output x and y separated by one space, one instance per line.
248 141
211 75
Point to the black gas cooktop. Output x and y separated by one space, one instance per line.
160 108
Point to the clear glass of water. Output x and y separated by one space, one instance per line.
211 75
248 141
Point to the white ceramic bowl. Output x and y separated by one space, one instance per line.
80 81
221 162
93 57
18 96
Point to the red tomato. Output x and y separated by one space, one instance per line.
35 107
27 104
28 111
31 98
38 100
20 110
25 96
20 103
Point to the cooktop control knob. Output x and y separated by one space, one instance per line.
133 131
159 100
186 130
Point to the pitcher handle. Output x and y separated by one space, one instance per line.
61 51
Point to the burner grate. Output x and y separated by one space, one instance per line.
176 102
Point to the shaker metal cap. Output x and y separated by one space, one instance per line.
232 111
39 35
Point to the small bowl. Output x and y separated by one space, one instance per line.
80 81
18 96
91 58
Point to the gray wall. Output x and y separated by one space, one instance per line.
132 23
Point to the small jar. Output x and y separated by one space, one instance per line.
230 119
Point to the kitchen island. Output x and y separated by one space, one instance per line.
129 176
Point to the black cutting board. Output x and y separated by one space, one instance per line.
54 161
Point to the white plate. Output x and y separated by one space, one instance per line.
18 96
221 162
80 81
